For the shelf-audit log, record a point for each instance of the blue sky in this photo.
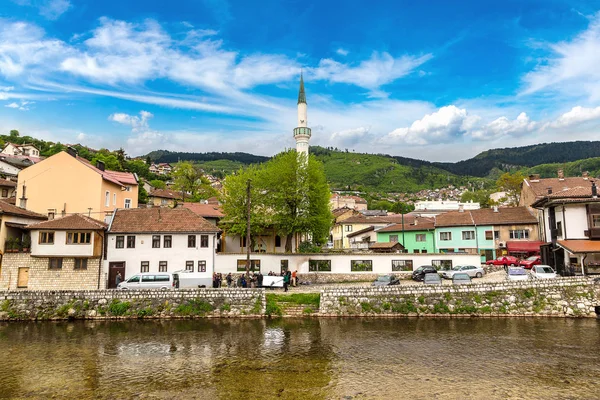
(434, 80)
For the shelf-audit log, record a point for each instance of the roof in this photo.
(342, 210)
(422, 224)
(116, 177)
(165, 194)
(6, 182)
(576, 194)
(357, 199)
(486, 216)
(524, 245)
(540, 186)
(155, 220)
(362, 219)
(9, 209)
(580, 246)
(365, 230)
(70, 222)
(385, 245)
(19, 161)
(205, 210)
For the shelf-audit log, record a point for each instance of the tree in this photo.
(137, 166)
(401, 207)
(478, 196)
(188, 179)
(148, 161)
(511, 184)
(14, 134)
(110, 160)
(142, 194)
(158, 184)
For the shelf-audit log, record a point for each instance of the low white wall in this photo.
(340, 263)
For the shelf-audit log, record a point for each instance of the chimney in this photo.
(585, 175)
(534, 177)
(594, 190)
(561, 174)
(461, 208)
(72, 151)
(100, 165)
(495, 208)
(549, 190)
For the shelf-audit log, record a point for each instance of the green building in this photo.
(417, 234)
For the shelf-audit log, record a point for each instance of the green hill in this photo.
(573, 168)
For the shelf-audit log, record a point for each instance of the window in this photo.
(120, 243)
(416, 251)
(155, 241)
(361, 265)
(201, 266)
(162, 266)
(114, 199)
(107, 198)
(242, 241)
(442, 265)
(79, 237)
(46, 238)
(284, 265)
(596, 221)
(348, 228)
(420, 237)
(519, 234)
(489, 235)
(254, 265)
(278, 238)
(127, 203)
(167, 241)
(189, 266)
(191, 241)
(445, 235)
(319, 265)
(204, 241)
(559, 228)
(423, 251)
(497, 235)
(4, 192)
(394, 238)
(128, 188)
(402, 265)
(55, 263)
(145, 266)
(131, 242)
(80, 263)
(468, 235)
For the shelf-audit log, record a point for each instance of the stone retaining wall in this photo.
(561, 297)
(101, 304)
(328, 277)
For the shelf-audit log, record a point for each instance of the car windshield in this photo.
(432, 278)
(461, 277)
(532, 258)
(456, 268)
(544, 270)
(384, 278)
(135, 278)
(516, 271)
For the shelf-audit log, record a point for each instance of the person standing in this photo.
(286, 281)
(118, 279)
(294, 277)
(259, 279)
(229, 279)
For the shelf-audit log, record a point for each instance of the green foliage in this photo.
(142, 194)
(308, 310)
(308, 247)
(511, 184)
(441, 308)
(111, 161)
(193, 307)
(188, 178)
(273, 308)
(479, 196)
(404, 307)
(313, 299)
(118, 307)
(145, 312)
(158, 184)
(529, 293)
(225, 307)
(137, 166)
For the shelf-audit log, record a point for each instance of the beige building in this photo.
(339, 201)
(8, 189)
(164, 198)
(68, 184)
(20, 150)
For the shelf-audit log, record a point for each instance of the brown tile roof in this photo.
(70, 222)
(342, 210)
(11, 200)
(205, 210)
(580, 246)
(540, 186)
(149, 220)
(365, 230)
(6, 182)
(486, 216)
(116, 177)
(385, 245)
(165, 194)
(9, 209)
(577, 191)
(362, 219)
(422, 224)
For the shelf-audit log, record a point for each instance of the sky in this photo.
(433, 80)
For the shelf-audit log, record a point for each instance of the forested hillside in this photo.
(165, 156)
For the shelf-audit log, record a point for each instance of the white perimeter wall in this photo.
(340, 263)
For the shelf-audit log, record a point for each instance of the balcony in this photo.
(593, 233)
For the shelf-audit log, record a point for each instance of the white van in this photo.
(191, 280)
(149, 280)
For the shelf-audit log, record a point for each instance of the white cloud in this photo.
(342, 52)
(350, 137)
(53, 9)
(23, 105)
(137, 123)
(12, 105)
(505, 127)
(577, 115)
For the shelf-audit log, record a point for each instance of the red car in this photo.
(529, 262)
(504, 260)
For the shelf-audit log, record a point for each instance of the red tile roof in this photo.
(116, 177)
(9, 209)
(486, 216)
(385, 245)
(422, 224)
(540, 186)
(165, 194)
(6, 182)
(149, 220)
(205, 210)
(365, 230)
(70, 222)
(580, 246)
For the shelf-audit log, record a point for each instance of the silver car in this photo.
(542, 272)
(432, 279)
(149, 280)
(471, 270)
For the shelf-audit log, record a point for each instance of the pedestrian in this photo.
(294, 275)
(229, 279)
(286, 281)
(118, 279)
(259, 279)
(214, 280)
(244, 283)
(239, 281)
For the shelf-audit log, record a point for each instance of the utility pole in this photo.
(248, 242)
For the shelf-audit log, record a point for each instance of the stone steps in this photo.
(296, 310)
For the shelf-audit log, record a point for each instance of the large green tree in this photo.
(511, 184)
(189, 179)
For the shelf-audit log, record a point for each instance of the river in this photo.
(302, 359)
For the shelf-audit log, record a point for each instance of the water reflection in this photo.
(302, 359)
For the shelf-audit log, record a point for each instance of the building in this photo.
(489, 232)
(159, 240)
(8, 189)
(302, 132)
(210, 212)
(354, 202)
(432, 208)
(66, 254)
(417, 234)
(10, 166)
(343, 232)
(68, 184)
(164, 198)
(161, 169)
(13, 149)
(13, 220)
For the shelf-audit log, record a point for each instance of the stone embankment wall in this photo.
(563, 297)
(101, 304)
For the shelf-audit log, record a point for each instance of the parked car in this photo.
(471, 270)
(149, 280)
(187, 279)
(432, 278)
(420, 272)
(386, 280)
(530, 262)
(517, 274)
(543, 272)
(504, 260)
(461, 279)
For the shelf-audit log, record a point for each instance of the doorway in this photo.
(113, 269)
(23, 277)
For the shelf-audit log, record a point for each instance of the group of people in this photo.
(253, 280)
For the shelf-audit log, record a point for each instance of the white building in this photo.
(20, 150)
(430, 207)
(159, 240)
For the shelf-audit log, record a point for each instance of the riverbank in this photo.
(562, 297)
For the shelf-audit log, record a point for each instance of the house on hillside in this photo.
(66, 254)
(354, 202)
(164, 198)
(8, 189)
(10, 165)
(68, 184)
(159, 240)
(430, 208)
(210, 212)
(341, 229)
(13, 149)
(13, 235)
(417, 234)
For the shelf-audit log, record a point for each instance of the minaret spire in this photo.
(301, 94)
(302, 132)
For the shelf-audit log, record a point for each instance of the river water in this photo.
(302, 359)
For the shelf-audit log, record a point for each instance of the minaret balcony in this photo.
(302, 131)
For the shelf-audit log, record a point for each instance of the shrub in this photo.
(118, 307)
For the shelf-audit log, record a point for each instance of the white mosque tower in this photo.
(302, 132)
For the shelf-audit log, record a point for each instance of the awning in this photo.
(580, 246)
(15, 225)
(523, 246)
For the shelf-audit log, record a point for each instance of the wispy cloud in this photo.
(23, 105)
(49, 9)
(342, 52)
